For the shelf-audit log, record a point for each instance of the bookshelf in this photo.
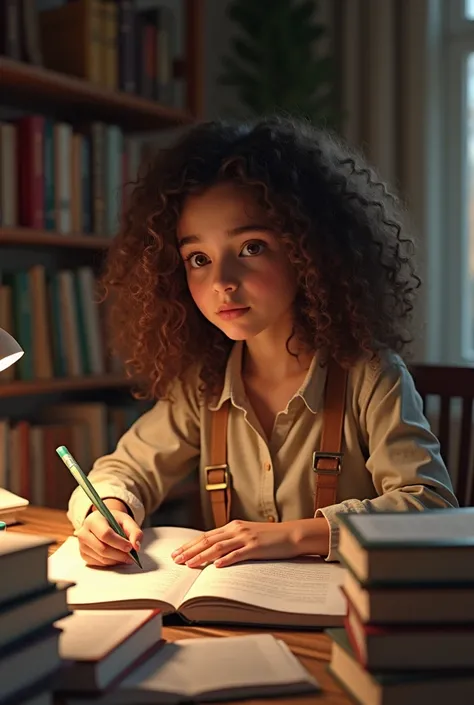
(30, 89)
(44, 238)
(19, 388)
(73, 98)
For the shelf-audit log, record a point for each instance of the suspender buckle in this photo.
(210, 486)
(320, 455)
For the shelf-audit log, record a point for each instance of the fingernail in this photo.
(175, 553)
(137, 545)
(179, 559)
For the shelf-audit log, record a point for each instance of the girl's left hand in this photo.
(239, 541)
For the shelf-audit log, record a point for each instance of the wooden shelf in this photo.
(47, 238)
(61, 384)
(35, 86)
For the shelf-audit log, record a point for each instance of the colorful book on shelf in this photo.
(72, 39)
(30, 163)
(9, 196)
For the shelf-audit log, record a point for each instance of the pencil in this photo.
(83, 481)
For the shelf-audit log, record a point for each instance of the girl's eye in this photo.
(196, 260)
(250, 249)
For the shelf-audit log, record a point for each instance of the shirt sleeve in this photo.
(160, 449)
(404, 456)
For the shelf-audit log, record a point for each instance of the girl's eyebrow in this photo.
(240, 230)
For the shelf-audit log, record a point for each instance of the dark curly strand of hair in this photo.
(340, 225)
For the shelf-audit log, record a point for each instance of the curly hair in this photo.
(341, 228)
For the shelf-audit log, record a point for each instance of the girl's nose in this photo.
(225, 279)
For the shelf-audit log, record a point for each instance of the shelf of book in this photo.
(131, 112)
(62, 384)
(46, 238)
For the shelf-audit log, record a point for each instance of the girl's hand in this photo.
(239, 541)
(99, 545)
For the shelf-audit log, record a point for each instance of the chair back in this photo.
(449, 383)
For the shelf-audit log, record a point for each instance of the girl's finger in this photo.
(93, 559)
(96, 546)
(241, 554)
(206, 539)
(220, 548)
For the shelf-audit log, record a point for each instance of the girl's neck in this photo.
(267, 359)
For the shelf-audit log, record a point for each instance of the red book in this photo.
(31, 168)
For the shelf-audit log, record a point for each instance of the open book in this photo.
(298, 592)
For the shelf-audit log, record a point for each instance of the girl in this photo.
(254, 260)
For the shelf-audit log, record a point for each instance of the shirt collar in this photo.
(233, 388)
(311, 391)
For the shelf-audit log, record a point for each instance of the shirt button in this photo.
(271, 518)
(267, 467)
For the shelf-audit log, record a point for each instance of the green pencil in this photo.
(90, 491)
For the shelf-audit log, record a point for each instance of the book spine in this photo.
(30, 160)
(76, 183)
(29, 32)
(126, 47)
(110, 43)
(23, 322)
(113, 178)
(97, 174)
(58, 337)
(49, 197)
(86, 185)
(62, 176)
(42, 357)
(9, 185)
(10, 44)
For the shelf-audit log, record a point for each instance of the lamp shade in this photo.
(10, 351)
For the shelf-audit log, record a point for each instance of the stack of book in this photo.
(29, 606)
(46, 648)
(409, 629)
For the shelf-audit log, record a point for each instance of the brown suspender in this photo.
(327, 461)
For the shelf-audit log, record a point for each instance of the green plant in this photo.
(274, 62)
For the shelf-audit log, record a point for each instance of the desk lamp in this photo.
(10, 351)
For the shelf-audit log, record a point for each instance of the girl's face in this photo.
(238, 273)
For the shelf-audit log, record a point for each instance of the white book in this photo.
(212, 669)
(299, 592)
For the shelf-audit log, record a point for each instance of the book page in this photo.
(302, 585)
(160, 580)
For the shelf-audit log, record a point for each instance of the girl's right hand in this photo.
(100, 545)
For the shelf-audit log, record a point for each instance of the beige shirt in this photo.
(391, 458)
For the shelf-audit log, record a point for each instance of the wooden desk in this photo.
(312, 648)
